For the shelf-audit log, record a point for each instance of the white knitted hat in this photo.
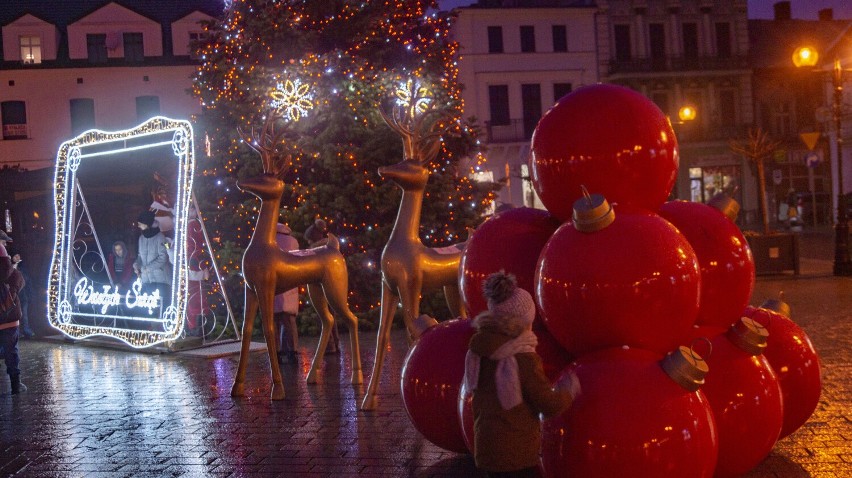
(506, 299)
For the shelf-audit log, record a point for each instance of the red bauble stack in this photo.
(633, 282)
(745, 396)
(630, 419)
(727, 266)
(431, 380)
(793, 358)
(512, 241)
(610, 139)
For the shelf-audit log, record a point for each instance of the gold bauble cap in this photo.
(749, 335)
(592, 212)
(726, 204)
(777, 305)
(685, 367)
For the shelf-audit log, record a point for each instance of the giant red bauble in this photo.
(431, 379)
(636, 282)
(745, 396)
(629, 419)
(796, 364)
(512, 241)
(727, 266)
(465, 410)
(610, 139)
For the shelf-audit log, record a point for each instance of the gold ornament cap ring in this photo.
(777, 305)
(726, 204)
(592, 212)
(749, 335)
(685, 367)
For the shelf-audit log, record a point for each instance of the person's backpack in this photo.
(8, 301)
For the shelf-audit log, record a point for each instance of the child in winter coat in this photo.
(508, 382)
(12, 283)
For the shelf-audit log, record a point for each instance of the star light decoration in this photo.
(414, 97)
(292, 99)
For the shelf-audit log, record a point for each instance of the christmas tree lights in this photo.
(355, 56)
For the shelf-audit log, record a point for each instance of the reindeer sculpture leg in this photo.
(238, 390)
(388, 309)
(337, 299)
(454, 302)
(409, 295)
(265, 301)
(318, 300)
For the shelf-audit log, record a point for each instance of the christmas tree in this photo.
(331, 65)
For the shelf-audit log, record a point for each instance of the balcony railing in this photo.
(642, 65)
(696, 132)
(513, 132)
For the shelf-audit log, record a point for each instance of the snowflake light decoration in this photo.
(292, 99)
(409, 92)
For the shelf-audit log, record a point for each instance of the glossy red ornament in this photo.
(554, 358)
(727, 266)
(796, 364)
(629, 419)
(511, 240)
(635, 282)
(610, 139)
(745, 396)
(431, 379)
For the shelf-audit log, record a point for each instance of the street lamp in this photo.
(686, 113)
(807, 56)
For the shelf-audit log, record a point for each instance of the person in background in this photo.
(286, 305)
(120, 266)
(152, 258)
(509, 387)
(317, 235)
(10, 315)
(24, 295)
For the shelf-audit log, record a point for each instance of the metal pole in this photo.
(842, 264)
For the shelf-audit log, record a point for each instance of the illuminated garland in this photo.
(65, 289)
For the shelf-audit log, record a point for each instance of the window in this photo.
(728, 107)
(560, 90)
(96, 47)
(147, 107)
(133, 49)
(560, 38)
(657, 39)
(196, 40)
(622, 42)
(30, 49)
(14, 116)
(527, 39)
(498, 100)
(661, 99)
(723, 40)
(531, 99)
(495, 39)
(690, 40)
(82, 115)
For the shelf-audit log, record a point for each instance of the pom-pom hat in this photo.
(506, 299)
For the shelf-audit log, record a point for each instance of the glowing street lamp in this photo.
(686, 113)
(808, 57)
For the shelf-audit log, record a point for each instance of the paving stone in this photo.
(100, 412)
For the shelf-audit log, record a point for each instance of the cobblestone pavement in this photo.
(100, 412)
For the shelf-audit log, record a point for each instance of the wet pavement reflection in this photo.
(102, 412)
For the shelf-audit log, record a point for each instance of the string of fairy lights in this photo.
(254, 54)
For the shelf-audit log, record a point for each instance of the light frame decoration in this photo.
(62, 281)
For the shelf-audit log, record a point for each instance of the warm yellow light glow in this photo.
(805, 56)
(686, 113)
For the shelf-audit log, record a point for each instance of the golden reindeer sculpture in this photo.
(269, 271)
(409, 267)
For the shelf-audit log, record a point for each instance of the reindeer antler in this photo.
(266, 144)
(419, 122)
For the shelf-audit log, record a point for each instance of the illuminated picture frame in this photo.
(83, 300)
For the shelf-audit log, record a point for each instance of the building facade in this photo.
(517, 61)
(82, 65)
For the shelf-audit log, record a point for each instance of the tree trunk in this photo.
(761, 195)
